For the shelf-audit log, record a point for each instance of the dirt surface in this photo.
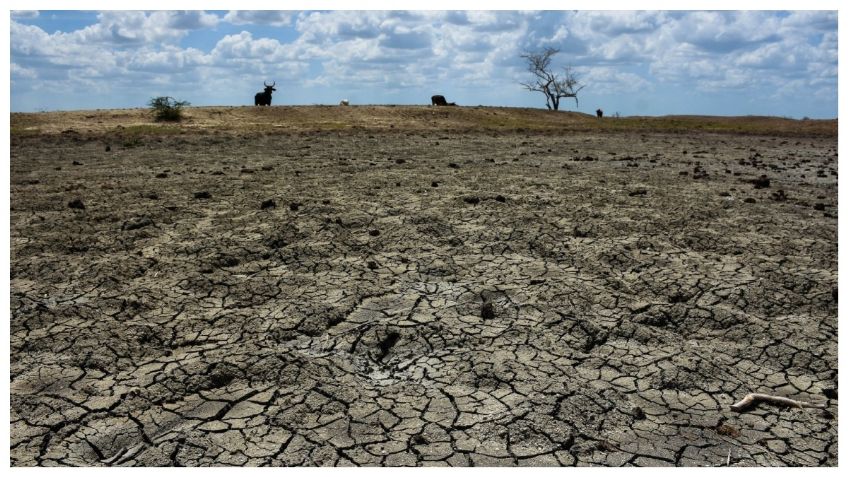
(415, 296)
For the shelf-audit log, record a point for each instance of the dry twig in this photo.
(755, 398)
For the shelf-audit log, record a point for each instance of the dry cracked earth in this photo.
(422, 298)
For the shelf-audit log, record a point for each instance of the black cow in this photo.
(439, 100)
(264, 98)
(600, 113)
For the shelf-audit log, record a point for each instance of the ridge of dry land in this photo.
(281, 119)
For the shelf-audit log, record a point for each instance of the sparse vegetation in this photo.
(166, 108)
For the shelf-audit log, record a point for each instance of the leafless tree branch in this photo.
(548, 83)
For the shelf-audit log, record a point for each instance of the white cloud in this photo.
(259, 17)
(611, 80)
(723, 32)
(244, 46)
(615, 52)
(19, 71)
(24, 14)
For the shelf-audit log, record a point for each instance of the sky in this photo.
(647, 62)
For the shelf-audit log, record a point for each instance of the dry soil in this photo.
(410, 294)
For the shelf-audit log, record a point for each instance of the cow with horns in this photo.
(264, 98)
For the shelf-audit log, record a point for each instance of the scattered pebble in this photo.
(268, 204)
(76, 204)
(137, 223)
(202, 195)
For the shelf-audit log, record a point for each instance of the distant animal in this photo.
(344, 102)
(600, 113)
(264, 98)
(439, 100)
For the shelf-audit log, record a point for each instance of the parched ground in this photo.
(415, 295)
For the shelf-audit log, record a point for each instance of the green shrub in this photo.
(166, 108)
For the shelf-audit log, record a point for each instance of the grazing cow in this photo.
(344, 102)
(264, 98)
(600, 112)
(439, 100)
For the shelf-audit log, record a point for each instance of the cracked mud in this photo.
(422, 298)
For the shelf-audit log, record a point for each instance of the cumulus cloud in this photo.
(258, 17)
(781, 53)
(19, 71)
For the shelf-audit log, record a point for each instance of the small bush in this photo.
(166, 108)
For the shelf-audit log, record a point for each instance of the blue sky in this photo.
(632, 62)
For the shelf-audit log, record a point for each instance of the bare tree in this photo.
(554, 87)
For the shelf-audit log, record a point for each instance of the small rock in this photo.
(580, 232)
(453, 165)
(751, 200)
(500, 198)
(137, 223)
(819, 206)
(108, 148)
(779, 196)
(727, 430)
(434, 184)
(76, 204)
(471, 200)
(77, 163)
(227, 261)
(372, 265)
(161, 175)
(294, 206)
(374, 233)
(400, 161)
(202, 195)
(638, 192)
